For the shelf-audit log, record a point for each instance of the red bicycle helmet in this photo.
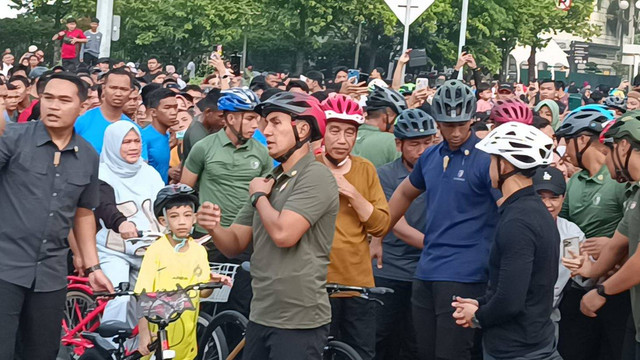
(339, 107)
(298, 106)
(511, 110)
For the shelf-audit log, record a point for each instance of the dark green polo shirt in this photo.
(630, 227)
(376, 146)
(225, 171)
(289, 283)
(594, 203)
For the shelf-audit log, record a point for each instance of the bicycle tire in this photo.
(337, 350)
(78, 300)
(224, 332)
(203, 321)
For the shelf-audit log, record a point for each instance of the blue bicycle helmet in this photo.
(414, 123)
(588, 118)
(238, 99)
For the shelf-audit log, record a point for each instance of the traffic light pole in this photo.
(104, 13)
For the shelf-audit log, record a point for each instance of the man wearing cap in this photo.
(104, 64)
(208, 122)
(70, 38)
(505, 91)
(90, 51)
(315, 81)
(549, 183)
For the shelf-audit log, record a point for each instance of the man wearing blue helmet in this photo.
(594, 202)
(222, 165)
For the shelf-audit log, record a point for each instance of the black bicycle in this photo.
(160, 308)
(224, 337)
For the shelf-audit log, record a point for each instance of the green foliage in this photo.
(298, 34)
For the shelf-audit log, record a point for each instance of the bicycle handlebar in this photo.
(198, 286)
(335, 288)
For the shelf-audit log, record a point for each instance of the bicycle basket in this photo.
(221, 295)
(164, 306)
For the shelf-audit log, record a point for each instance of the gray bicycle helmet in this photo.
(588, 118)
(453, 102)
(381, 98)
(414, 123)
(614, 102)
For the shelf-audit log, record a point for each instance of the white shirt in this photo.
(5, 69)
(567, 230)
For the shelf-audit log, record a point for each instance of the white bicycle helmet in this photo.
(524, 146)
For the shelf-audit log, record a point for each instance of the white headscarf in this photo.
(110, 155)
(135, 186)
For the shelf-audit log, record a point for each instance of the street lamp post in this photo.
(631, 20)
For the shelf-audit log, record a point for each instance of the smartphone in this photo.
(571, 244)
(219, 50)
(465, 49)
(575, 101)
(353, 76)
(214, 55)
(422, 83)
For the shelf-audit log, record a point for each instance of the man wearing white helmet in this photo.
(514, 314)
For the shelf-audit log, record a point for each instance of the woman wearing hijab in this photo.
(549, 110)
(128, 188)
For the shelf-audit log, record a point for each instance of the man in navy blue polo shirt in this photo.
(460, 221)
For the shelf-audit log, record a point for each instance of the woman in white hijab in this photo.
(128, 188)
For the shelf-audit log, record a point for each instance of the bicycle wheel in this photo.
(78, 304)
(224, 333)
(337, 350)
(203, 321)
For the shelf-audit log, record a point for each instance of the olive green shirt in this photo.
(595, 204)
(225, 171)
(289, 283)
(376, 146)
(630, 227)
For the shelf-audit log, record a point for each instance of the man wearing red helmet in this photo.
(363, 210)
(290, 221)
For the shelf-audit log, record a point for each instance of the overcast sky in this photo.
(5, 11)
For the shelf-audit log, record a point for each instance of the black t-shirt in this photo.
(523, 268)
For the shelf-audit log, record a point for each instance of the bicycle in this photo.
(334, 350)
(160, 308)
(83, 311)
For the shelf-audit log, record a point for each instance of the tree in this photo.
(548, 20)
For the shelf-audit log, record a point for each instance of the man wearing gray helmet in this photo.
(461, 215)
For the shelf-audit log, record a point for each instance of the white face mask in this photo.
(561, 150)
(180, 134)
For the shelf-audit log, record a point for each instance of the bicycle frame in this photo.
(73, 337)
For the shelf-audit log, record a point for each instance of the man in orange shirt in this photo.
(363, 210)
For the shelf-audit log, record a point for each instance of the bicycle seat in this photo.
(115, 328)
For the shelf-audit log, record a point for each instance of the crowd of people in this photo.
(504, 217)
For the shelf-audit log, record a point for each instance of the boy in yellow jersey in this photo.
(175, 259)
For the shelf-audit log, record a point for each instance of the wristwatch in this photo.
(89, 270)
(254, 198)
(600, 290)
(475, 323)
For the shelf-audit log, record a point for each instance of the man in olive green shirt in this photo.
(594, 202)
(625, 141)
(375, 141)
(222, 165)
(290, 221)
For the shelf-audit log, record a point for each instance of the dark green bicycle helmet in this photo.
(414, 123)
(627, 126)
(381, 98)
(453, 102)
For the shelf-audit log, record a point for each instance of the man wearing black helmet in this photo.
(375, 141)
(396, 257)
(594, 202)
(461, 216)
